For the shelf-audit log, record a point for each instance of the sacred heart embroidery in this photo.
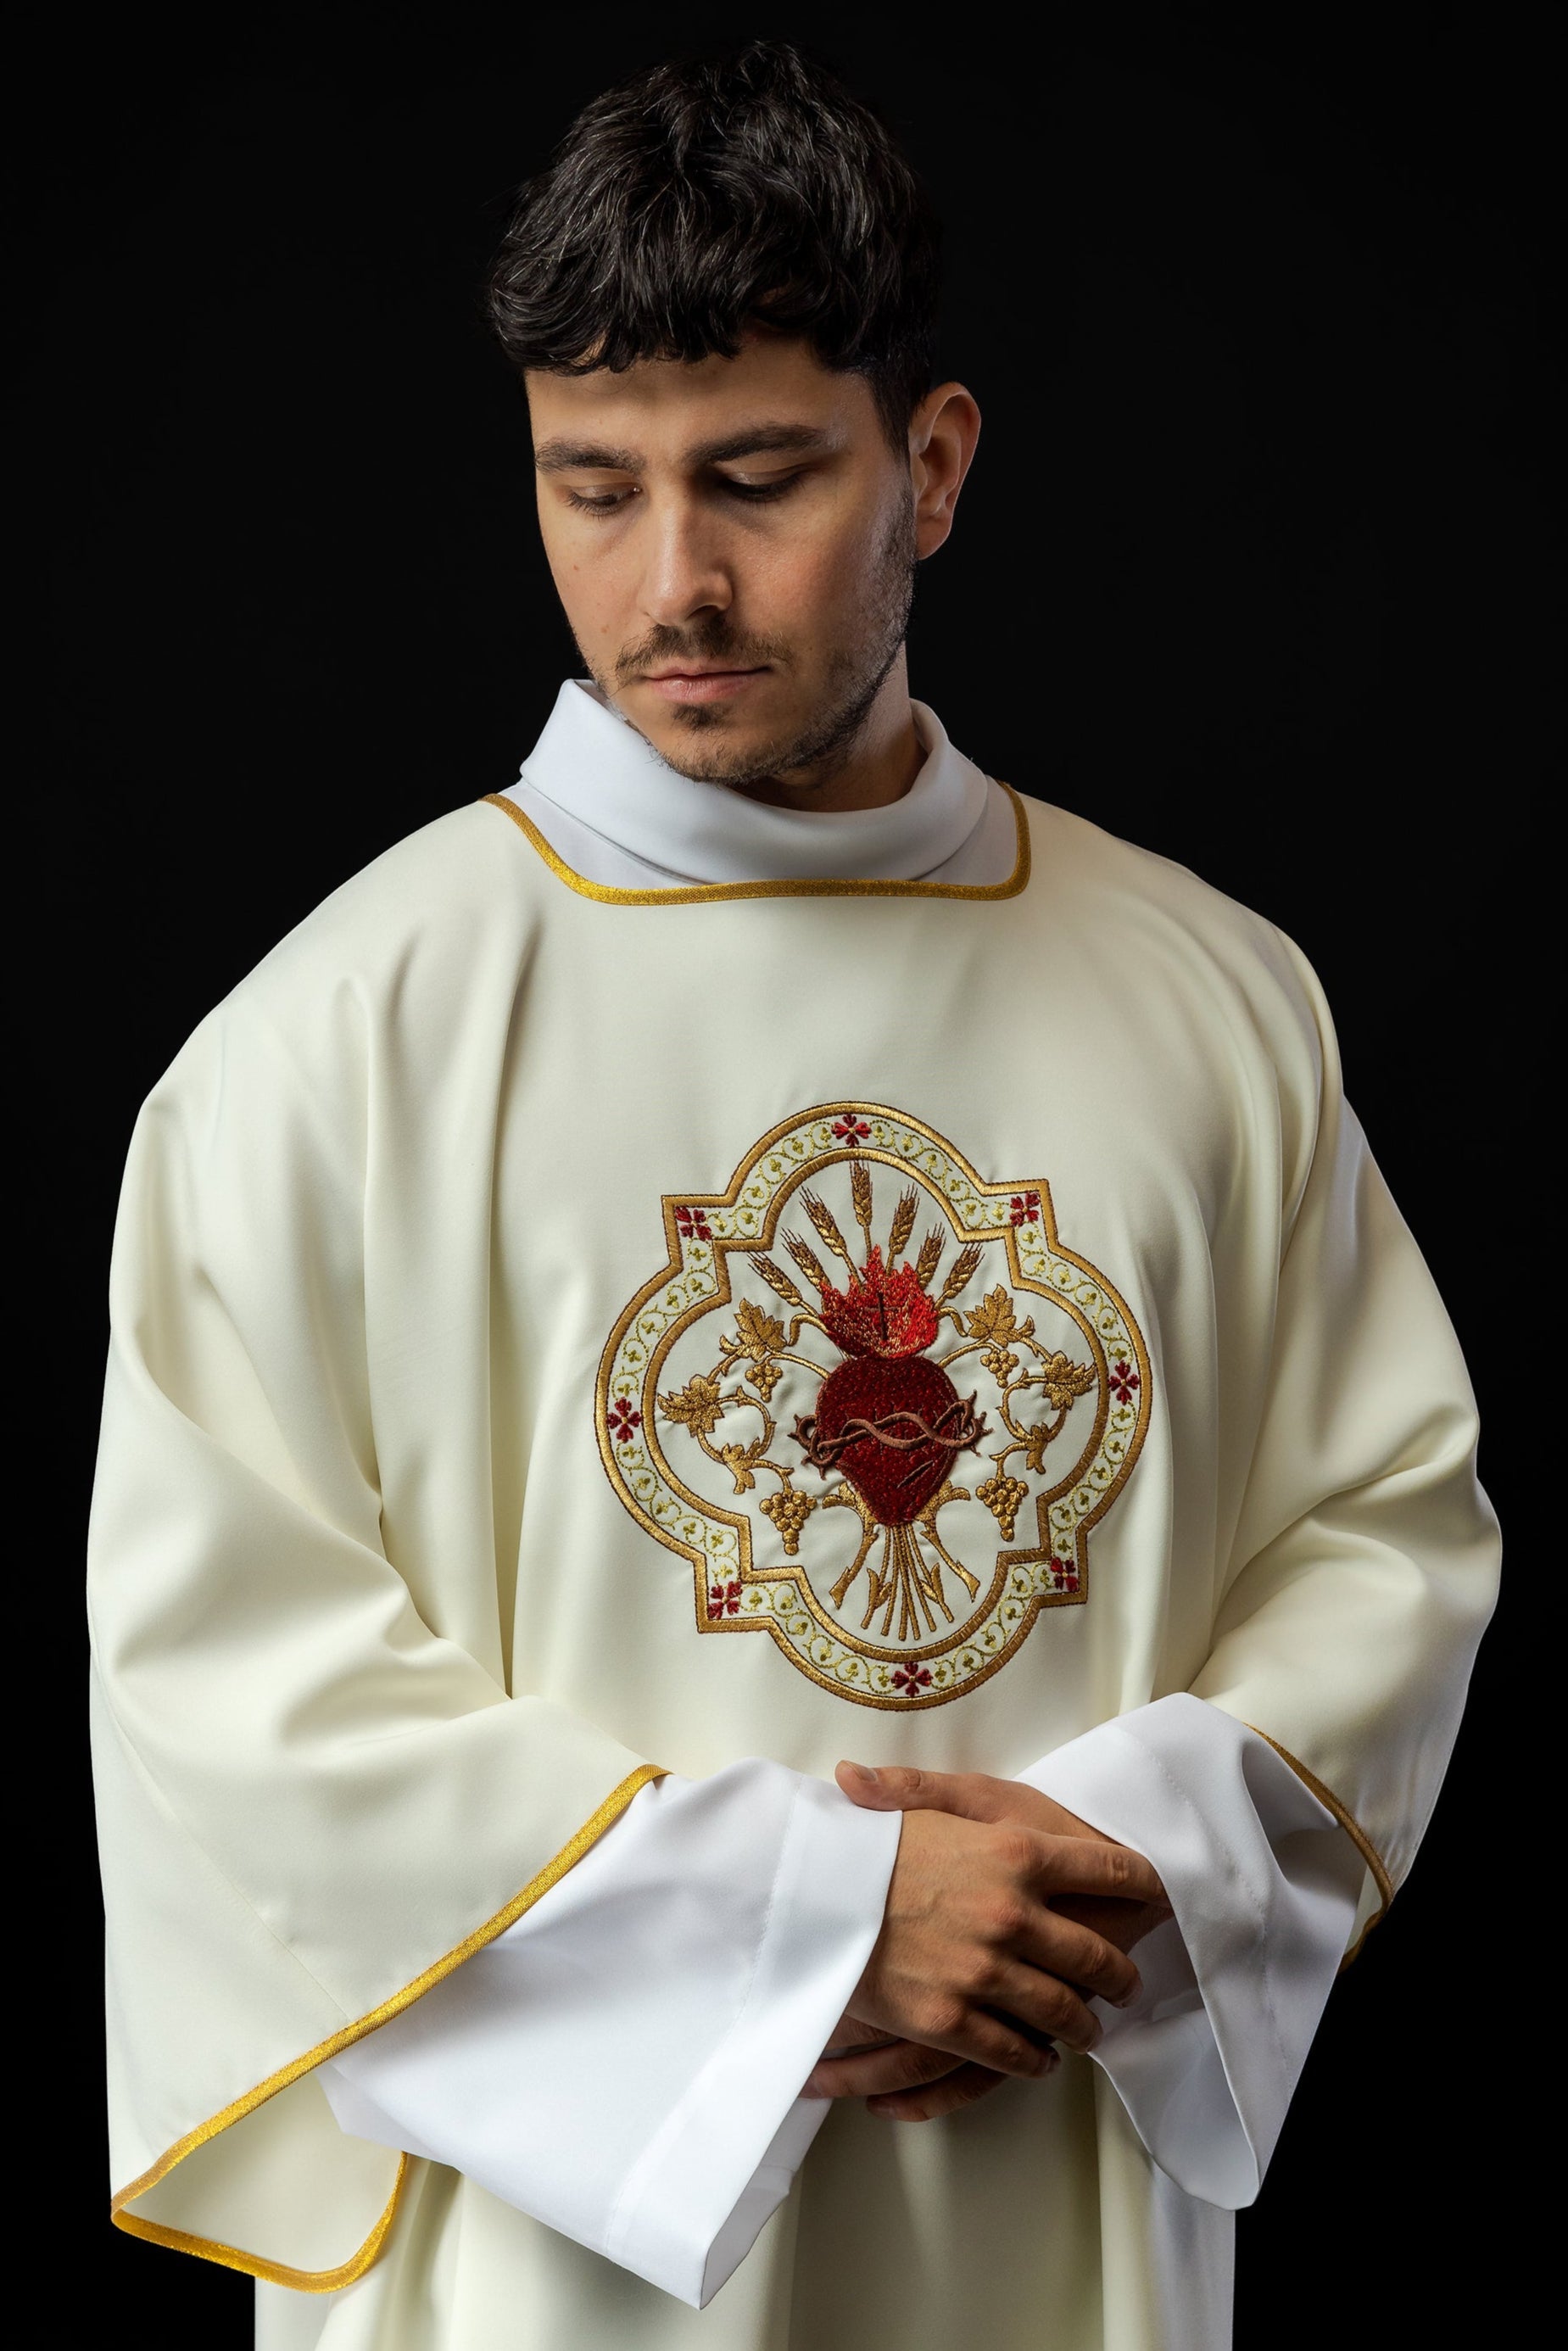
(859, 1323)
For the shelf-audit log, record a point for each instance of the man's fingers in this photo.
(900, 1788)
(1122, 1923)
(1049, 2008)
(1079, 1862)
(1084, 1866)
(1002, 2043)
(852, 2034)
(941, 2097)
(871, 2072)
(972, 2033)
(1063, 1947)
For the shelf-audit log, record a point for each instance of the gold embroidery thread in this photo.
(778, 1378)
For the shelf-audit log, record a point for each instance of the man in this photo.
(748, 1246)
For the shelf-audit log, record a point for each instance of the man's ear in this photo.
(943, 432)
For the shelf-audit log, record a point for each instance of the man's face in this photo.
(733, 542)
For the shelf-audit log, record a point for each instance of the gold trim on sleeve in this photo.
(1353, 1831)
(328, 2280)
(229, 2257)
(698, 893)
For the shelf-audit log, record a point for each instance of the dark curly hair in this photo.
(696, 201)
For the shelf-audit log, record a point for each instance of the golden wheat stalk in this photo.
(859, 1196)
(930, 1257)
(807, 1259)
(968, 1258)
(903, 1224)
(822, 1217)
(777, 1280)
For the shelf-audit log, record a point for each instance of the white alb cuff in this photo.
(624, 2063)
(1263, 1883)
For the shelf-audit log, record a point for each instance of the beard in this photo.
(819, 745)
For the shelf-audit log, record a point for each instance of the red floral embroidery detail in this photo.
(850, 1130)
(724, 1599)
(1066, 1573)
(1025, 1209)
(910, 1678)
(1124, 1380)
(623, 1422)
(883, 1311)
(692, 1225)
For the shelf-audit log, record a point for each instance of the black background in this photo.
(1252, 569)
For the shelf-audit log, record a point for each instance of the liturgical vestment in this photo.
(642, 1295)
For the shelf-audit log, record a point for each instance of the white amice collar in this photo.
(604, 798)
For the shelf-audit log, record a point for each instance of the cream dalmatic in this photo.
(566, 1331)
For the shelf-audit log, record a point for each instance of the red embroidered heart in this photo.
(897, 1397)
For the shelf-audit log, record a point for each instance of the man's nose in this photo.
(685, 578)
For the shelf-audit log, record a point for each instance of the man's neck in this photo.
(876, 768)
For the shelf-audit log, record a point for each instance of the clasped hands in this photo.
(1005, 1915)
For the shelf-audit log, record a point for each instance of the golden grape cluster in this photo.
(1003, 1496)
(789, 1513)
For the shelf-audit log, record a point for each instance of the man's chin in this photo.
(709, 747)
(738, 745)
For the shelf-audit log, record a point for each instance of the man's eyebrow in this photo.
(748, 441)
(756, 441)
(591, 456)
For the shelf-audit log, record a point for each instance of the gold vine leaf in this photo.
(757, 1341)
(698, 1406)
(759, 1333)
(740, 1460)
(1036, 1439)
(1064, 1381)
(995, 1319)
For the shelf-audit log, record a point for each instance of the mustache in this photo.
(710, 640)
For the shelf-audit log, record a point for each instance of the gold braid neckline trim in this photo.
(328, 2281)
(1353, 1831)
(698, 893)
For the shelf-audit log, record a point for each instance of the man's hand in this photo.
(989, 1943)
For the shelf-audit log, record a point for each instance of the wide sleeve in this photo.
(1358, 1576)
(624, 2063)
(1263, 1886)
(1362, 1567)
(316, 1800)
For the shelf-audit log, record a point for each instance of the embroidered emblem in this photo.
(776, 1380)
